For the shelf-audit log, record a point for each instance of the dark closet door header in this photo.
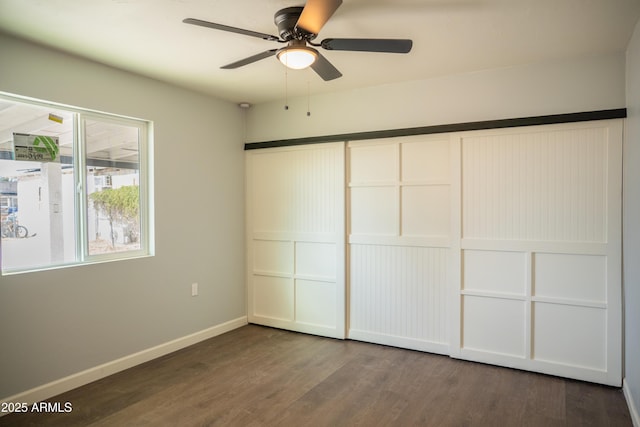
(619, 113)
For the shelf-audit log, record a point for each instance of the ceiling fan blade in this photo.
(250, 59)
(242, 31)
(369, 45)
(325, 69)
(315, 14)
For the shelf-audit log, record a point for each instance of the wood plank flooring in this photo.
(258, 376)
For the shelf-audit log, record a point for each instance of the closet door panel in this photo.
(541, 231)
(544, 185)
(273, 257)
(494, 325)
(313, 300)
(316, 260)
(571, 277)
(373, 163)
(401, 238)
(423, 162)
(273, 297)
(426, 211)
(296, 238)
(498, 272)
(570, 335)
(398, 296)
(374, 211)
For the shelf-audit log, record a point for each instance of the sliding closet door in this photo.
(540, 281)
(296, 238)
(402, 232)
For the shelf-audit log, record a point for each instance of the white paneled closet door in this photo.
(402, 238)
(540, 284)
(296, 238)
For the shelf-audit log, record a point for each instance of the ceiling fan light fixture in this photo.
(297, 57)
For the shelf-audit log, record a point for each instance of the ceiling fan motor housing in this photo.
(286, 20)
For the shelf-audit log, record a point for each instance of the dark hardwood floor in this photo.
(257, 376)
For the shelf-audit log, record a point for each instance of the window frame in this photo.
(81, 202)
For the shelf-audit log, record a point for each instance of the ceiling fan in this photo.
(298, 27)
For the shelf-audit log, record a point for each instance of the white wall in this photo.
(632, 226)
(57, 323)
(585, 84)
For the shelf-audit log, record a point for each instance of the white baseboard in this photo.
(62, 385)
(633, 410)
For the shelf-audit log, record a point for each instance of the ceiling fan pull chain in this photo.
(286, 89)
(308, 98)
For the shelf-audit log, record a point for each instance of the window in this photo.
(74, 186)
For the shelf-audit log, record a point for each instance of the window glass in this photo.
(112, 187)
(36, 197)
(73, 186)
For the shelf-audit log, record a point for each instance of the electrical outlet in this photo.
(194, 289)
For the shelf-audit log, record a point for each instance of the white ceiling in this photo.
(450, 36)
